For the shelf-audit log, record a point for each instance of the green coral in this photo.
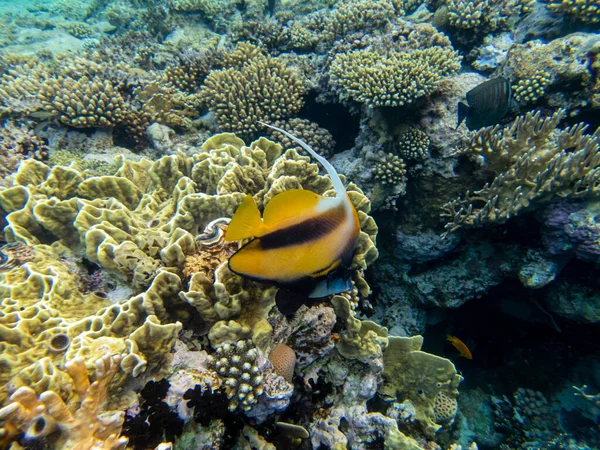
(534, 161)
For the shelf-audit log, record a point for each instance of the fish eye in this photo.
(420, 391)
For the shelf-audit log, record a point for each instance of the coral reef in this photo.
(18, 143)
(533, 161)
(564, 61)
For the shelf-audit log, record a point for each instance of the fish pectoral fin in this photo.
(246, 222)
(325, 271)
(288, 204)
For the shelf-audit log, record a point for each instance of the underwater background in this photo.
(466, 136)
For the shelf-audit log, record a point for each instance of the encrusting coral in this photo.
(533, 161)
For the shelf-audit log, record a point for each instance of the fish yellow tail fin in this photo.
(246, 222)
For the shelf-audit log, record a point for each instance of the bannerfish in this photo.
(487, 105)
(304, 242)
(459, 345)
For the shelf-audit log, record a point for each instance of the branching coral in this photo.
(243, 380)
(584, 10)
(17, 143)
(533, 161)
(467, 13)
(493, 14)
(19, 85)
(84, 102)
(392, 79)
(357, 15)
(530, 90)
(414, 144)
(318, 138)
(391, 170)
(262, 88)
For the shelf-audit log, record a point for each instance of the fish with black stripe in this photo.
(304, 242)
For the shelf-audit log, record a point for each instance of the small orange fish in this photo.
(460, 346)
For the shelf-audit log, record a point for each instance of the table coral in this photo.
(533, 161)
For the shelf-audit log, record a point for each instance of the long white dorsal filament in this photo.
(335, 178)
